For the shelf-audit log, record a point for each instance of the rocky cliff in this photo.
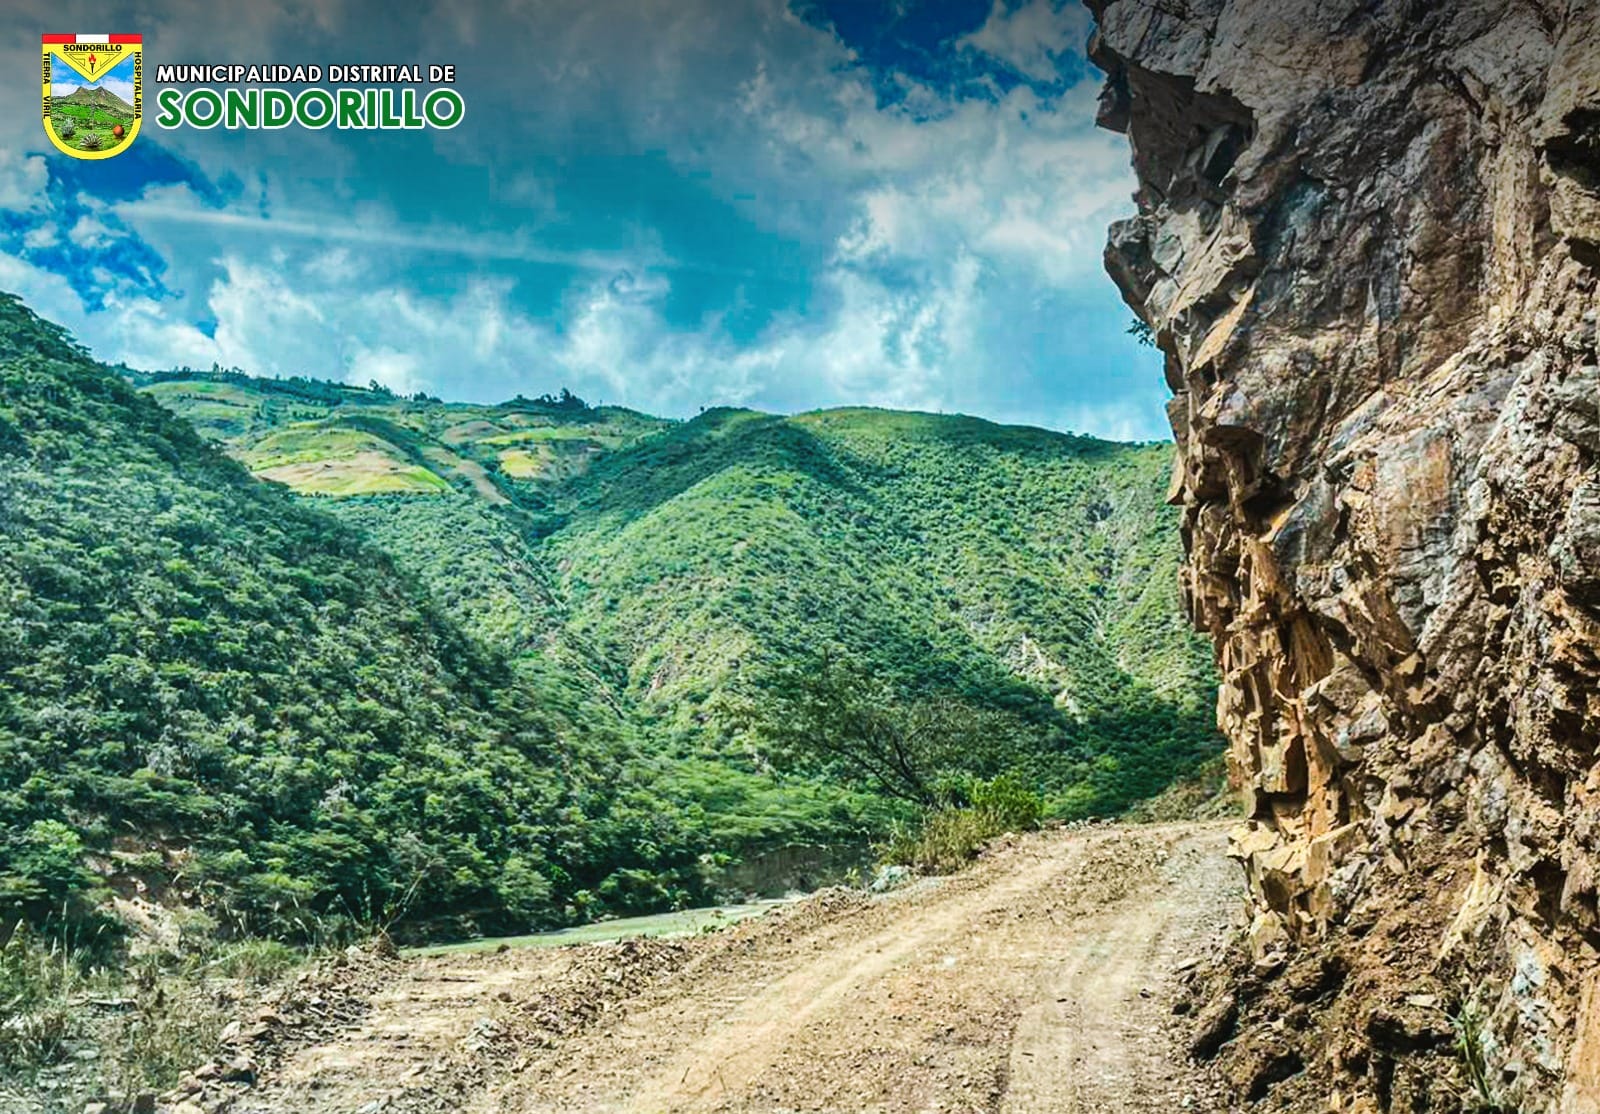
(1367, 241)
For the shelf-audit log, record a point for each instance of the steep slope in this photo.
(1369, 242)
(671, 564)
(1014, 568)
(216, 691)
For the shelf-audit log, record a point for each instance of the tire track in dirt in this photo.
(1013, 987)
(1100, 1038)
(746, 1041)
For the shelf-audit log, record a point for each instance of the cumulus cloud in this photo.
(711, 202)
(23, 179)
(1017, 179)
(1031, 37)
(401, 372)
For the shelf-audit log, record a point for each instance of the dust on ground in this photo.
(1043, 979)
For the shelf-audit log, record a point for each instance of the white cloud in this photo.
(89, 232)
(337, 265)
(136, 330)
(1018, 181)
(311, 226)
(941, 251)
(1030, 38)
(401, 372)
(120, 87)
(1117, 420)
(23, 179)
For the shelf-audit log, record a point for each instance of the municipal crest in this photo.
(93, 93)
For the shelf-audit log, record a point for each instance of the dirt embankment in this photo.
(1044, 979)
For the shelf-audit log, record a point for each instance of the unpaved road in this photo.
(1040, 981)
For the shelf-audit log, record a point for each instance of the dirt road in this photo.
(1041, 980)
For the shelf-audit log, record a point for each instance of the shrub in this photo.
(43, 881)
(90, 142)
(36, 981)
(1010, 804)
(951, 837)
(67, 129)
(153, 1044)
(948, 840)
(255, 960)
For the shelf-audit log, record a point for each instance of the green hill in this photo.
(97, 97)
(466, 668)
(669, 564)
(213, 691)
(1018, 570)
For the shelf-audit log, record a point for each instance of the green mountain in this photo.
(669, 564)
(214, 691)
(97, 97)
(468, 668)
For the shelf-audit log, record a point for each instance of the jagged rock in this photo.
(1214, 1027)
(1368, 243)
(1578, 545)
(1306, 982)
(1407, 1028)
(1253, 1074)
(240, 1069)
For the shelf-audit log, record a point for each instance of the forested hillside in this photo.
(1028, 573)
(671, 565)
(210, 688)
(474, 667)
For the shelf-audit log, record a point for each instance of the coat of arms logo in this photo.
(93, 93)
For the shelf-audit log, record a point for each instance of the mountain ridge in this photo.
(459, 668)
(98, 97)
(671, 548)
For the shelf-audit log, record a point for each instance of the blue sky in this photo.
(782, 204)
(118, 79)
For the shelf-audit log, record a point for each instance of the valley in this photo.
(301, 660)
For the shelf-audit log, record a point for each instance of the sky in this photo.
(118, 80)
(663, 204)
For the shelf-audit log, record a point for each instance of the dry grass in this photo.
(84, 1028)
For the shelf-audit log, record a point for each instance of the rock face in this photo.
(1368, 243)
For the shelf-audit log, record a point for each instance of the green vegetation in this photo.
(87, 124)
(88, 114)
(1026, 577)
(141, 1022)
(837, 718)
(483, 669)
(1011, 590)
(231, 699)
(951, 835)
(1471, 1027)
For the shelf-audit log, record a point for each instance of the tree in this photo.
(833, 713)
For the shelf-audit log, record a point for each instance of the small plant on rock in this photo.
(1470, 1025)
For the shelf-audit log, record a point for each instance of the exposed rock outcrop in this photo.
(1368, 243)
